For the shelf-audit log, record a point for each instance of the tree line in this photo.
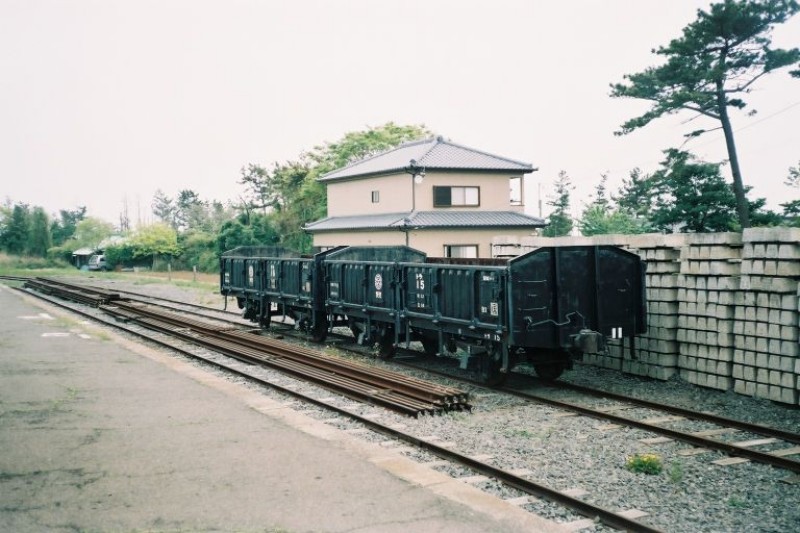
(708, 71)
(275, 204)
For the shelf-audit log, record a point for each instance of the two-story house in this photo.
(439, 197)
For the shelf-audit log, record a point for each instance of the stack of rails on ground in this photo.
(722, 309)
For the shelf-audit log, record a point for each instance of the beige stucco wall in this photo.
(354, 197)
(432, 242)
(348, 198)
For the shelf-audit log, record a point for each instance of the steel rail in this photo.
(422, 390)
(589, 510)
(750, 427)
(695, 440)
(411, 397)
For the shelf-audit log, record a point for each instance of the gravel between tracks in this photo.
(570, 452)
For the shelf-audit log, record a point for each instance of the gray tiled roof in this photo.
(428, 219)
(431, 154)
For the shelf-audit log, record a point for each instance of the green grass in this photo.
(14, 265)
(645, 463)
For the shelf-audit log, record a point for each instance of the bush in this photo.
(645, 463)
(24, 262)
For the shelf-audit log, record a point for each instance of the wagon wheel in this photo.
(549, 371)
(430, 345)
(490, 365)
(319, 331)
(548, 364)
(386, 347)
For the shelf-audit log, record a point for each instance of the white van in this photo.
(98, 262)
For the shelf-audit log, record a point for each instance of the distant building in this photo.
(80, 257)
(439, 197)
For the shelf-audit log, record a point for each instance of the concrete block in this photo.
(661, 372)
(789, 333)
(721, 238)
(762, 390)
(771, 235)
(687, 362)
(788, 269)
(789, 349)
(744, 387)
(789, 251)
(783, 395)
(770, 285)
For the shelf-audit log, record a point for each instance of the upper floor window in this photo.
(456, 196)
(515, 184)
(376, 197)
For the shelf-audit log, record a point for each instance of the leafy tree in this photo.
(710, 67)
(258, 187)
(40, 238)
(164, 208)
(15, 233)
(560, 222)
(691, 196)
(635, 196)
(791, 209)
(63, 228)
(290, 194)
(603, 217)
(91, 231)
(358, 145)
(191, 212)
(155, 239)
(234, 233)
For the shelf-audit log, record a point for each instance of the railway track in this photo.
(613, 519)
(739, 451)
(388, 389)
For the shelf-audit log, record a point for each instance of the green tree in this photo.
(91, 231)
(691, 196)
(40, 239)
(791, 209)
(560, 222)
(290, 194)
(164, 208)
(191, 211)
(602, 216)
(710, 67)
(15, 233)
(63, 228)
(635, 196)
(234, 233)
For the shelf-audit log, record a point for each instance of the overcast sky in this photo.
(105, 101)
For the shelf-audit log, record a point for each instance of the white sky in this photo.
(103, 101)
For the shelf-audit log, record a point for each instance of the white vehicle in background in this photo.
(98, 262)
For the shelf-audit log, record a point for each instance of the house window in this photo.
(456, 196)
(461, 251)
(376, 197)
(516, 190)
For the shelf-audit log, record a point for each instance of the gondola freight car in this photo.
(545, 307)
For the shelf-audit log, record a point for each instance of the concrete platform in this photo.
(102, 434)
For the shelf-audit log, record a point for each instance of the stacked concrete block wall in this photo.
(656, 351)
(722, 309)
(709, 281)
(766, 359)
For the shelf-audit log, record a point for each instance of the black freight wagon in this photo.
(544, 307)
